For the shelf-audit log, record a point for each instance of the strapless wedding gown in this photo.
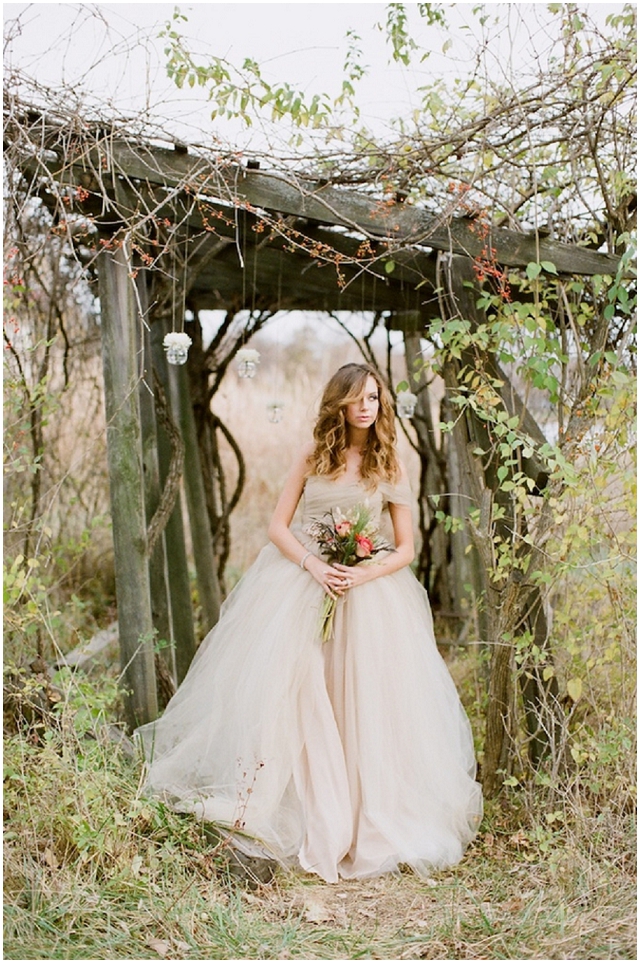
(349, 757)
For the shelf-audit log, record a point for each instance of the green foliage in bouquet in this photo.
(346, 539)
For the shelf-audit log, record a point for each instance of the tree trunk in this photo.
(516, 605)
(119, 320)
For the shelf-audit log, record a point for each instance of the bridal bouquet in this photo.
(347, 539)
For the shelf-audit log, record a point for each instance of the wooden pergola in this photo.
(170, 227)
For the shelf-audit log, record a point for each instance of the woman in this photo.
(351, 756)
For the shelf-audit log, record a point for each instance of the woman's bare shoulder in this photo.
(403, 474)
(308, 449)
(302, 460)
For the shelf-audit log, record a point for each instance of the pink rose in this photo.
(364, 546)
(343, 528)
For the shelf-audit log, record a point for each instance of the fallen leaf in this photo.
(316, 912)
(161, 947)
(49, 857)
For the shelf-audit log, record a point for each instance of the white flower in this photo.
(176, 339)
(248, 354)
(406, 399)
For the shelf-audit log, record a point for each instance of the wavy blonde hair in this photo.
(379, 459)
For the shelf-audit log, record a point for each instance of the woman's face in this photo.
(363, 413)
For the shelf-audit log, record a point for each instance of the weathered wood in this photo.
(90, 652)
(160, 603)
(330, 205)
(433, 558)
(206, 569)
(463, 557)
(124, 447)
(183, 632)
(284, 280)
(302, 197)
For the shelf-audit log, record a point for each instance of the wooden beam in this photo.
(208, 229)
(360, 212)
(277, 279)
(124, 448)
(237, 187)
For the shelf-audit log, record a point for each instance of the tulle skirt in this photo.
(349, 757)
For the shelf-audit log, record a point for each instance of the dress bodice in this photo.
(322, 495)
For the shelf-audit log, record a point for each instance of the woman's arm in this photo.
(333, 582)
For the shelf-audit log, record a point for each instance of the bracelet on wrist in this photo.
(304, 559)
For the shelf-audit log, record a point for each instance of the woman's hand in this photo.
(333, 581)
(354, 575)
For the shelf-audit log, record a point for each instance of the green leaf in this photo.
(574, 688)
(402, 386)
(533, 270)
(548, 266)
(390, 267)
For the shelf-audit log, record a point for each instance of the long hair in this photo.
(379, 458)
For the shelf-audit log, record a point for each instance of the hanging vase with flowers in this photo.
(247, 360)
(406, 404)
(177, 344)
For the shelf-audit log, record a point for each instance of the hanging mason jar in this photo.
(275, 411)
(247, 360)
(176, 344)
(406, 404)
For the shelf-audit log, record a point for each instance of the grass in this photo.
(93, 870)
(495, 906)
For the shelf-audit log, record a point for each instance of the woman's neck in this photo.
(357, 439)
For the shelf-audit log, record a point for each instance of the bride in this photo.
(346, 757)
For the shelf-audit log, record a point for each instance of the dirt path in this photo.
(496, 905)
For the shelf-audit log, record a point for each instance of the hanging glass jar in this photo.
(176, 344)
(406, 404)
(275, 411)
(247, 360)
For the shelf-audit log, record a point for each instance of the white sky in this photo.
(112, 51)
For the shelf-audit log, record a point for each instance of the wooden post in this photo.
(124, 447)
(205, 562)
(177, 565)
(160, 603)
(433, 560)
